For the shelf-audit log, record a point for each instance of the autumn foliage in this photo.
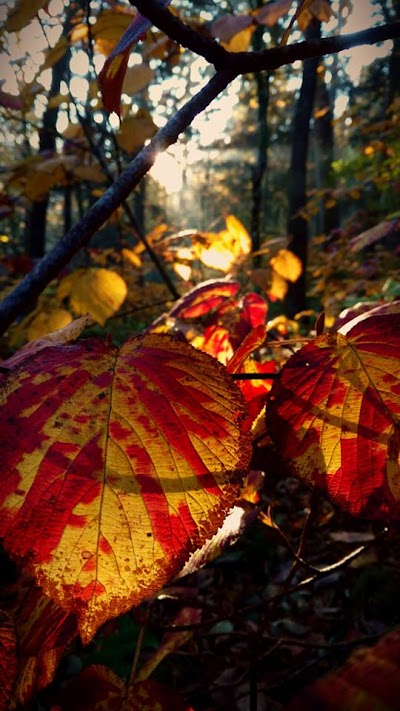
(128, 465)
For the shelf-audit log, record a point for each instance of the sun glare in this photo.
(168, 173)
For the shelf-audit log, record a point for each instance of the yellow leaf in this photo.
(132, 257)
(278, 288)
(240, 42)
(57, 100)
(93, 173)
(47, 321)
(286, 264)
(109, 28)
(183, 270)
(239, 233)
(137, 78)
(54, 54)
(79, 32)
(99, 292)
(135, 130)
(23, 12)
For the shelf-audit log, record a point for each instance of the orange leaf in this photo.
(8, 659)
(334, 414)
(129, 459)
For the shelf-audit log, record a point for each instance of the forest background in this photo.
(279, 202)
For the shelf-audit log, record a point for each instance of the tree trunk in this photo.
(324, 154)
(297, 225)
(259, 171)
(37, 218)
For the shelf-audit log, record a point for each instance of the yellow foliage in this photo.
(99, 292)
(286, 264)
(137, 78)
(23, 12)
(47, 321)
(132, 257)
(278, 288)
(54, 54)
(223, 249)
(135, 130)
(240, 42)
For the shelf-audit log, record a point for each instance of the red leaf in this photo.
(206, 297)
(334, 415)
(118, 463)
(111, 77)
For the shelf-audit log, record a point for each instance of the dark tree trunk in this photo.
(260, 169)
(297, 225)
(324, 154)
(37, 218)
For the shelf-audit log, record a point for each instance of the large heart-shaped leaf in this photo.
(334, 414)
(116, 463)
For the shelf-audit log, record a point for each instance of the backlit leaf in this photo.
(47, 321)
(286, 264)
(8, 659)
(135, 130)
(112, 75)
(227, 26)
(137, 78)
(241, 41)
(334, 414)
(133, 459)
(54, 54)
(99, 292)
(205, 297)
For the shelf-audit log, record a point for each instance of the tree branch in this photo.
(269, 59)
(25, 294)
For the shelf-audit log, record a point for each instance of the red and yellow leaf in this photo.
(205, 297)
(117, 463)
(8, 659)
(335, 415)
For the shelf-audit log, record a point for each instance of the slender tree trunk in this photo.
(37, 218)
(297, 225)
(260, 169)
(324, 153)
